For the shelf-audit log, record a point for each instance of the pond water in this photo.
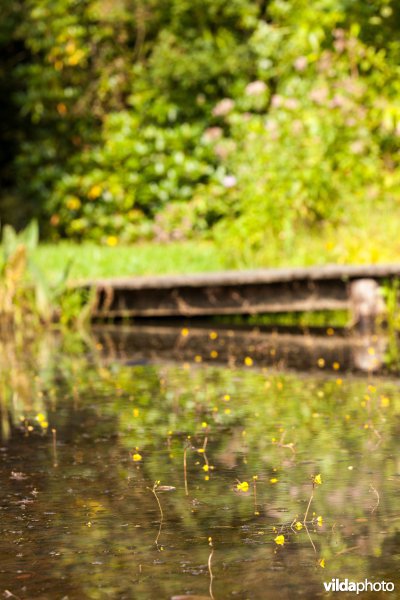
(97, 503)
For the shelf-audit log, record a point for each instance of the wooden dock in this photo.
(235, 292)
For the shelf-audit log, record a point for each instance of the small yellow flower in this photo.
(198, 358)
(273, 480)
(280, 540)
(336, 366)
(213, 354)
(298, 525)
(206, 478)
(255, 477)
(317, 479)
(385, 401)
(137, 457)
(204, 425)
(248, 361)
(95, 192)
(73, 203)
(213, 335)
(184, 332)
(206, 468)
(321, 362)
(227, 397)
(200, 450)
(319, 521)
(112, 241)
(227, 411)
(242, 486)
(40, 417)
(321, 563)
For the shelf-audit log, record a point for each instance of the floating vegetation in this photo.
(278, 474)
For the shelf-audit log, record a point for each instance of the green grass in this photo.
(93, 261)
(376, 241)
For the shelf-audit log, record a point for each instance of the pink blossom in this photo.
(319, 95)
(300, 63)
(229, 181)
(223, 107)
(255, 88)
(212, 134)
(277, 101)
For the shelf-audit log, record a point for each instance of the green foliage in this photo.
(27, 298)
(243, 120)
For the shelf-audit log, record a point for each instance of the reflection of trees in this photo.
(92, 524)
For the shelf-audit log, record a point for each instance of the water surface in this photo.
(88, 431)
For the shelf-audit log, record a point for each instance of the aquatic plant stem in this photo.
(153, 490)
(210, 570)
(54, 435)
(185, 471)
(308, 506)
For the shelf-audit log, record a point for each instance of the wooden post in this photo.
(366, 304)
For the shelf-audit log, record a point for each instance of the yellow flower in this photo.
(112, 240)
(336, 366)
(184, 332)
(248, 361)
(95, 192)
(298, 525)
(280, 540)
(135, 412)
(73, 203)
(213, 354)
(385, 401)
(321, 563)
(317, 480)
(319, 521)
(204, 425)
(321, 362)
(136, 457)
(227, 397)
(213, 335)
(205, 468)
(40, 417)
(273, 480)
(242, 486)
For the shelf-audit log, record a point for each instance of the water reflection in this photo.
(79, 515)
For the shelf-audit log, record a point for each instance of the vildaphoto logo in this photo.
(344, 585)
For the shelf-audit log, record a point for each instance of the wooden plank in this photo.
(233, 292)
(229, 278)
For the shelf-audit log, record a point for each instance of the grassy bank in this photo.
(375, 243)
